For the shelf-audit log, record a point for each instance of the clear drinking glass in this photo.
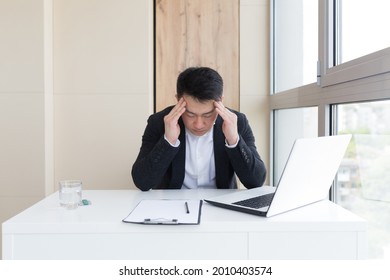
(70, 193)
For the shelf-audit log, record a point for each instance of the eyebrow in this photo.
(210, 112)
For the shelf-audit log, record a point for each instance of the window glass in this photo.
(363, 28)
(363, 181)
(295, 43)
(291, 124)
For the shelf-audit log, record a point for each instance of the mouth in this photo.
(198, 131)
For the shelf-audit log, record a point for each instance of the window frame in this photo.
(331, 74)
(364, 79)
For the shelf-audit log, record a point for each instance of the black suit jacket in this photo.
(161, 166)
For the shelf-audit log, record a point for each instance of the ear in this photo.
(222, 97)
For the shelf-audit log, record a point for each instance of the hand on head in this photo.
(229, 126)
(172, 128)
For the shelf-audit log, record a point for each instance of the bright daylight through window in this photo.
(363, 28)
(363, 182)
(349, 39)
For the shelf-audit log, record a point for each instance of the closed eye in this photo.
(190, 115)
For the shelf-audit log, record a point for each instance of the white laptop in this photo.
(306, 178)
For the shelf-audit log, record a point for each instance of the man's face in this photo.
(199, 117)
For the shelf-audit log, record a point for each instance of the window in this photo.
(353, 40)
(352, 96)
(363, 28)
(363, 181)
(295, 47)
(291, 124)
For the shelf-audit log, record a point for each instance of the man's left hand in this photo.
(229, 126)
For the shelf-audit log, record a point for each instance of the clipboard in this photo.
(166, 212)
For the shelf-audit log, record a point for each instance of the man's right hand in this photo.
(172, 128)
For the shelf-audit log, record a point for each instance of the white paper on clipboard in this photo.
(166, 211)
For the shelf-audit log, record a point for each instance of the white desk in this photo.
(322, 230)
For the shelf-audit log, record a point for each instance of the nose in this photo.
(198, 122)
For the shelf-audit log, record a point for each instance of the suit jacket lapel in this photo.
(178, 164)
(220, 157)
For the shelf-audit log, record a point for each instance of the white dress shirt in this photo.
(199, 163)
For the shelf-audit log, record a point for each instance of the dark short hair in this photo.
(201, 83)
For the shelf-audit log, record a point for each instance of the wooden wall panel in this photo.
(196, 33)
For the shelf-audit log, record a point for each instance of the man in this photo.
(198, 143)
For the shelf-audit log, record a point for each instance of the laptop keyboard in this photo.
(257, 201)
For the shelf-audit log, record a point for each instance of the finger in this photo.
(222, 110)
(219, 104)
(177, 110)
(179, 105)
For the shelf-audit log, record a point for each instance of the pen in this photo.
(187, 209)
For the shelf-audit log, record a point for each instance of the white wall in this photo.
(76, 88)
(76, 82)
(254, 71)
(21, 105)
(103, 87)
